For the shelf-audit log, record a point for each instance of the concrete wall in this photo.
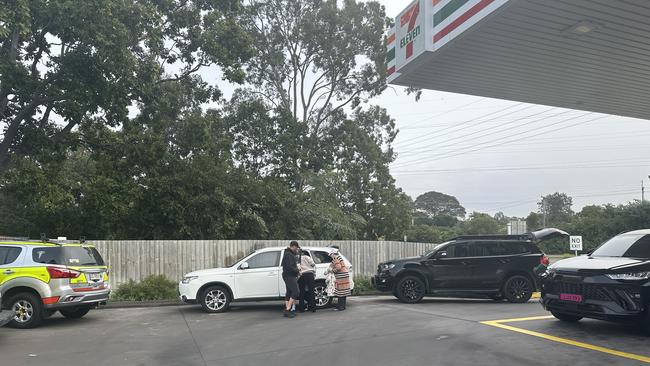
(137, 259)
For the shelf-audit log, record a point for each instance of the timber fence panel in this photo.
(137, 259)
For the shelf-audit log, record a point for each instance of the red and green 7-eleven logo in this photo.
(410, 17)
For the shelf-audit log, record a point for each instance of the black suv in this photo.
(497, 266)
(611, 283)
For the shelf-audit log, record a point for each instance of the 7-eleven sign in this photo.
(410, 32)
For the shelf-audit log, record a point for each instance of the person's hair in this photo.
(294, 244)
(335, 246)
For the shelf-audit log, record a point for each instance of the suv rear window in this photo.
(68, 256)
(9, 255)
(321, 257)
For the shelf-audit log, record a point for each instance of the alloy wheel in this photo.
(23, 310)
(412, 289)
(320, 295)
(215, 300)
(519, 288)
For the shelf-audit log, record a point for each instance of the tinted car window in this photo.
(458, 251)
(515, 248)
(263, 260)
(630, 245)
(68, 256)
(8, 255)
(321, 257)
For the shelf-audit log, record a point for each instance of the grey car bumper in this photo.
(5, 317)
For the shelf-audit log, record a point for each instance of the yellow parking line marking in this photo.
(544, 317)
(499, 324)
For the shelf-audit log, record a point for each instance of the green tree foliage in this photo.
(439, 204)
(481, 223)
(68, 63)
(84, 162)
(557, 207)
(301, 118)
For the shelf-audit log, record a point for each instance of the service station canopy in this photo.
(591, 55)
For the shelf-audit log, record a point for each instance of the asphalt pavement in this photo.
(373, 331)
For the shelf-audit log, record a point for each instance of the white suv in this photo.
(256, 277)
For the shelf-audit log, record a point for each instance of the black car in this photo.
(496, 266)
(611, 283)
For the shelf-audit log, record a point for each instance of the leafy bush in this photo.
(156, 287)
(362, 285)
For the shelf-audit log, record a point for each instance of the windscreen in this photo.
(630, 246)
(68, 256)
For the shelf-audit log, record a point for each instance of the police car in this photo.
(38, 279)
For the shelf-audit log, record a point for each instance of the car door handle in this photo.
(504, 260)
(8, 272)
(273, 273)
(464, 263)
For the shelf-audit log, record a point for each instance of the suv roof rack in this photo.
(19, 239)
(13, 238)
(495, 237)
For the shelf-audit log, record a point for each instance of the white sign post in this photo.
(575, 243)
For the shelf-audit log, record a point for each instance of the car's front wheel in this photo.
(28, 310)
(518, 289)
(410, 289)
(320, 296)
(215, 299)
(566, 317)
(76, 313)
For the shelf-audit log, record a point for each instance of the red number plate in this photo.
(571, 297)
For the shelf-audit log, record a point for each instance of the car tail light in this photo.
(58, 272)
(544, 260)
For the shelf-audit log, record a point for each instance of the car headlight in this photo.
(387, 266)
(630, 276)
(188, 279)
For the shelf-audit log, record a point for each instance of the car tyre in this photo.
(76, 313)
(518, 289)
(28, 309)
(320, 295)
(215, 299)
(566, 317)
(410, 290)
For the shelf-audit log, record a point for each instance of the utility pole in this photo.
(544, 213)
(642, 192)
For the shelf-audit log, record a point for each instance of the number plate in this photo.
(571, 297)
(96, 277)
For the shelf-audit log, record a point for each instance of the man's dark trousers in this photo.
(306, 283)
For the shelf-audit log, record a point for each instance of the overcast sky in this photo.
(497, 155)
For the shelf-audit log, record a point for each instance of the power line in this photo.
(466, 122)
(491, 129)
(564, 140)
(575, 165)
(458, 152)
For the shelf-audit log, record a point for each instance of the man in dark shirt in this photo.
(290, 273)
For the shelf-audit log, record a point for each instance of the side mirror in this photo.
(441, 255)
(244, 265)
